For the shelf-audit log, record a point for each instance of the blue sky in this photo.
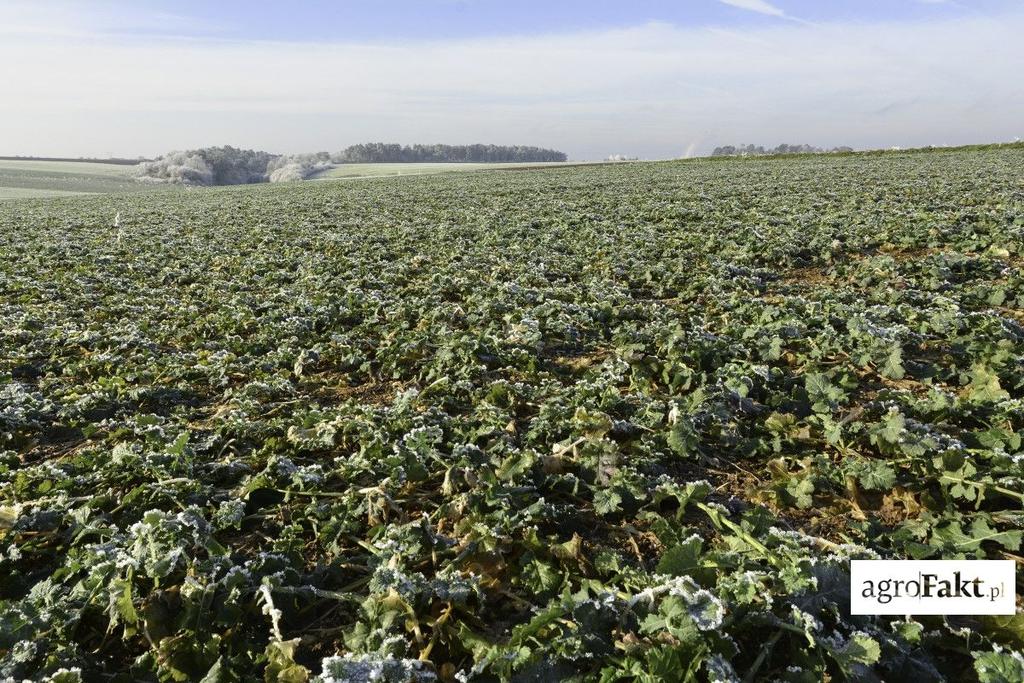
(654, 78)
(376, 21)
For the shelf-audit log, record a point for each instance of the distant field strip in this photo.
(21, 179)
(25, 179)
(380, 170)
(72, 167)
(32, 192)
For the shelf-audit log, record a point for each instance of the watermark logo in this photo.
(932, 587)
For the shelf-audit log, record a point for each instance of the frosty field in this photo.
(24, 178)
(619, 422)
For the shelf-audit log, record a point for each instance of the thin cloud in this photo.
(759, 6)
(62, 19)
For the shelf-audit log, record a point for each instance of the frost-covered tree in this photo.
(291, 167)
(183, 168)
(208, 166)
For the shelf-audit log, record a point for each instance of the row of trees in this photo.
(380, 152)
(758, 150)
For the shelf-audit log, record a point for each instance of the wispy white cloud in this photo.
(943, 3)
(650, 90)
(64, 18)
(759, 6)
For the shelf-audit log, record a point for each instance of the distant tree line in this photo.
(232, 166)
(758, 150)
(380, 152)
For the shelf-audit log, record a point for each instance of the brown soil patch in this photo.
(809, 276)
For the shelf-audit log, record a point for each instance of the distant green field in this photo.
(21, 179)
(34, 192)
(379, 170)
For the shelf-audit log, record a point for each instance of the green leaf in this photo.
(821, 392)
(998, 667)
(217, 673)
(910, 631)
(861, 649)
(281, 664)
(183, 658)
(981, 531)
(682, 438)
(665, 664)
(515, 465)
(801, 490)
(874, 475)
(893, 367)
(985, 387)
(179, 445)
(681, 559)
(593, 425)
(607, 501)
(122, 603)
(570, 550)
(780, 423)
(1006, 629)
(891, 430)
